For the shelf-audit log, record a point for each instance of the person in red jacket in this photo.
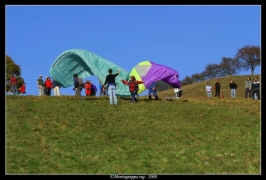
(13, 85)
(23, 89)
(87, 87)
(48, 86)
(133, 87)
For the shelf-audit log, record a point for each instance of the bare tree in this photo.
(249, 56)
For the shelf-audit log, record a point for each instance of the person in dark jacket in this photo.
(40, 86)
(217, 88)
(44, 87)
(93, 89)
(77, 88)
(233, 87)
(110, 82)
(256, 88)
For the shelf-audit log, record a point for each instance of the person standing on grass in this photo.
(256, 89)
(217, 88)
(56, 86)
(102, 89)
(110, 81)
(233, 87)
(209, 90)
(48, 86)
(93, 89)
(13, 85)
(44, 87)
(133, 88)
(40, 86)
(106, 89)
(180, 93)
(252, 84)
(77, 88)
(248, 84)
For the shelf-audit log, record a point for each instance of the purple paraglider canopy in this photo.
(150, 72)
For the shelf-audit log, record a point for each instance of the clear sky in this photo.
(185, 38)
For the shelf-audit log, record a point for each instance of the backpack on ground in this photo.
(80, 82)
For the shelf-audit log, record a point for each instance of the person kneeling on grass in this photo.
(22, 89)
(178, 92)
(133, 87)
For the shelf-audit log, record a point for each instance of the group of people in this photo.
(251, 88)
(47, 85)
(132, 84)
(232, 85)
(90, 88)
(109, 88)
(14, 90)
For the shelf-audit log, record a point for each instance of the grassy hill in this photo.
(190, 135)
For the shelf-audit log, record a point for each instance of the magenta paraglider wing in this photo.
(150, 72)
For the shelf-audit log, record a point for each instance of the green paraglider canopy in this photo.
(85, 64)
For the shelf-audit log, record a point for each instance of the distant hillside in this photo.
(198, 89)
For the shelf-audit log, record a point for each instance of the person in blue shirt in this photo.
(152, 90)
(101, 88)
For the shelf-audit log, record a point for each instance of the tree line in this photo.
(246, 58)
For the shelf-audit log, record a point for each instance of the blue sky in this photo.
(185, 38)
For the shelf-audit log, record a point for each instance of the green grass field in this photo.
(190, 135)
